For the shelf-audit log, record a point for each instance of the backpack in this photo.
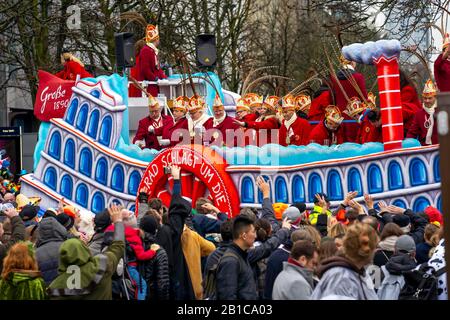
(124, 287)
(420, 284)
(209, 290)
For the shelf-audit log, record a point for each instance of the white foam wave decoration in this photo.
(367, 52)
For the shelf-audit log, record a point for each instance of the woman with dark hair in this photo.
(386, 246)
(410, 100)
(21, 279)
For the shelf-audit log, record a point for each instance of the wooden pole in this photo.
(443, 128)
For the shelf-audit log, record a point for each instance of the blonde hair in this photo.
(360, 243)
(337, 229)
(67, 56)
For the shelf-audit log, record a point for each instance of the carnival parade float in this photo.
(86, 156)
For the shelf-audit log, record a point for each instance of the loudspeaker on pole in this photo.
(125, 55)
(205, 50)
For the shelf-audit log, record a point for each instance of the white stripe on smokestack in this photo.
(389, 91)
(392, 124)
(390, 142)
(388, 76)
(391, 108)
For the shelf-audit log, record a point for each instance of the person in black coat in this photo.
(208, 218)
(235, 278)
(178, 211)
(156, 270)
(51, 236)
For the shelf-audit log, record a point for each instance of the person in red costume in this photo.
(320, 102)
(442, 66)
(408, 92)
(175, 129)
(329, 131)
(294, 130)
(302, 105)
(148, 67)
(197, 119)
(423, 127)
(72, 67)
(244, 113)
(351, 84)
(254, 101)
(221, 125)
(134, 91)
(371, 131)
(145, 135)
(266, 122)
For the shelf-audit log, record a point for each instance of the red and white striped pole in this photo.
(390, 102)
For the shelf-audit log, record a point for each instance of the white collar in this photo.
(216, 121)
(288, 123)
(151, 45)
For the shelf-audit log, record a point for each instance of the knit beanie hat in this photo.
(29, 212)
(102, 220)
(66, 220)
(291, 213)
(148, 224)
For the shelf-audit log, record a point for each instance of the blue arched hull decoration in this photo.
(70, 118)
(105, 131)
(50, 178)
(81, 195)
(82, 117)
(436, 169)
(420, 204)
(133, 184)
(93, 124)
(400, 203)
(69, 153)
(118, 178)
(86, 162)
(54, 149)
(281, 190)
(66, 187)
(355, 182)
(334, 186)
(101, 171)
(395, 176)
(314, 186)
(260, 195)
(418, 172)
(247, 191)
(374, 179)
(298, 190)
(98, 203)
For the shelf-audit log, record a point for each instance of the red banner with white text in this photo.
(52, 97)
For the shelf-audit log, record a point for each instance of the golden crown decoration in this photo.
(429, 90)
(241, 105)
(151, 33)
(196, 103)
(333, 114)
(288, 102)
(303, 102)
(354, 107)
(271, 102)
(181, 103)
(254, 100)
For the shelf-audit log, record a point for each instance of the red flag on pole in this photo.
(52, 97)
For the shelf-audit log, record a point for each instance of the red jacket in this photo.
(134, 72)
(409, 111)
(341, 102)
(151, 140)
(409, 94)
(227, 124)
(170, 126)
(71, 70)
(442, 74)
(368, 133)
(321, 133)
(133, 238)
(149, 69)
(318, 105)
(417, 129)
(268, 124)
(298, 133)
